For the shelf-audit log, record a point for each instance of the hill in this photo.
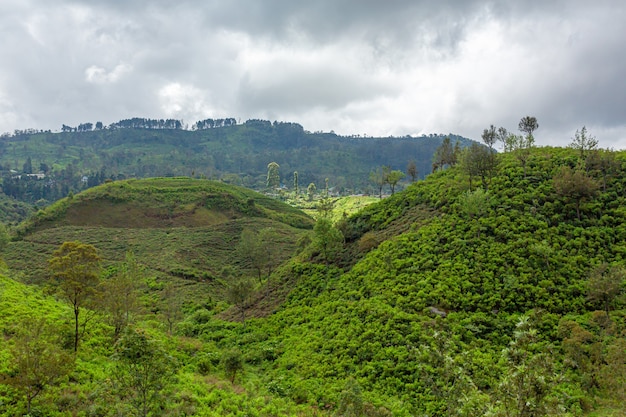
(454, 309)
(447, 298)
(183, 229)
(75, 159)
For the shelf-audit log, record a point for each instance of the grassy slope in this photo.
(181, 229)
(373, 322)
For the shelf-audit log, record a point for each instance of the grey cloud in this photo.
(560, 60)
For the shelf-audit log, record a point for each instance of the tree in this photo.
(393, 178)
(295, 183)
(232, 362)
(528, 125)
(270, 249)
(310, 191)
(143, 372)
(38, 360)
(444, 155)
(327, 239)
(251, 250)
(171, 304)
(602, 162)
(501, 135)
(529, 377)
(474, 204)
(574, 185)
(28, 166)
(4, 237)
(411, 170)
(606, 283)
(583, 143)
(522, 146)
(259, 250)
(76, 267)
(479, 161)
(379, 178)
(273, 175)
(490, 136)
(238, 292)
(119, 294)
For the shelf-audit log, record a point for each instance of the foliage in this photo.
(143, 373)
(327, 239)
(80, 158)
(75, 266)
(119, 294)
(37, 359)
(574, 185)
(462, 302)
(233, 363)
(238, 292)
(273, 176)
(606, 283)
(583, 143)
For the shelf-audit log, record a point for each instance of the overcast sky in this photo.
(374, 67)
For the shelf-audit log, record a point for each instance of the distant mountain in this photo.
(42, 166)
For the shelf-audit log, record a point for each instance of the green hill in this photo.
(443, 299)
(450, 307)
(182, 229)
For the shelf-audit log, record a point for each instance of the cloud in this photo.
(97, 75)
(178, 100)
(395, 67)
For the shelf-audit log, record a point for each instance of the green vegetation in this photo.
(42, 167)
(454, 297)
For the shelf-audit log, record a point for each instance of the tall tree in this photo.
(4, 237)
(393, 178)
(411, 170)
(490, 136)
(479, 161)
(530, 376)
(273, 175)
(310, 191)
(171, 305)
(522, 147)
(251, 250)
(528, 125)
(379, 178)
(238, 292)
(119, 294)
(444, 155)
(583, 143)
(295, 183)
(76, 267)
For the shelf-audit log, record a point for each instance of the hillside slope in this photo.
(442, 314)
(183, 230)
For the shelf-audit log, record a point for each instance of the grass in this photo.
(181, 230)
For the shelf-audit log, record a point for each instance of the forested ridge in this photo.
(493, 287)
(40, 167)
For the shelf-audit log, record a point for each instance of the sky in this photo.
(366, 67)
